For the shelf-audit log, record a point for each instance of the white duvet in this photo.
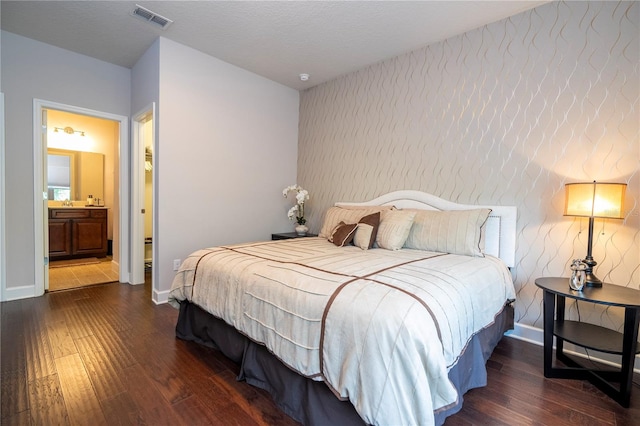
(382, 328)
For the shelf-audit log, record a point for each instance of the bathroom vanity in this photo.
(76, 232)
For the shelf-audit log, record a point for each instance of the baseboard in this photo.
(536, 336)
(15, 293)
(160, 297)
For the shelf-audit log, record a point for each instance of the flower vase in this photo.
(302, 230)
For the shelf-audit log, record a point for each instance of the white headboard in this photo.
(500, 229)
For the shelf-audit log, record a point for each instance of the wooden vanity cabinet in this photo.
(76, 233)
(59, 238)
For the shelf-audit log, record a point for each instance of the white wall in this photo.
(145, 79)
(31, 69)
(227, 146)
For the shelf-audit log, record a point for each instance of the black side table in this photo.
(289, 235)
(590, 336)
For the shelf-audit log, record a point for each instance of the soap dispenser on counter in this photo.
(90, 200)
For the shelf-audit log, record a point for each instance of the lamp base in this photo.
(591, 280)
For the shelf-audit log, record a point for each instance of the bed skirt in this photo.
(311, 402)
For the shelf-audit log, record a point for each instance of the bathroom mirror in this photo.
(74, 175)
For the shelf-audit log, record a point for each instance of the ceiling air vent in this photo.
(151, 17)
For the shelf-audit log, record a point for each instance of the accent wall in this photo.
(504, 114)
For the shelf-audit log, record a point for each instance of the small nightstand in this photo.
(590, 336)
(290, 235)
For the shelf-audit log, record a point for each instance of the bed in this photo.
(387, 317)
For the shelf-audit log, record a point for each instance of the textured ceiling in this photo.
(278, 40)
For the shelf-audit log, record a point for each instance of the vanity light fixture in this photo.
(68, 130)
(594, 200)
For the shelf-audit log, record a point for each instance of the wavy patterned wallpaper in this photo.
(505, 114)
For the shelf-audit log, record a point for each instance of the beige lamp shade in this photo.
(594, 199)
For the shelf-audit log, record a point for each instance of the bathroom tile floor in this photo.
(68, 277)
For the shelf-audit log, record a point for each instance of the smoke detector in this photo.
(304, 77)
(151, 17)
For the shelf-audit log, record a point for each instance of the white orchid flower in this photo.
(297, 211)
(293, 211)
(302, 196)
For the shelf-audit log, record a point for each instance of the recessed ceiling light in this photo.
(304, 77)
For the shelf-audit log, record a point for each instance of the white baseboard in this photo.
(536, 336)
(160, 297)
(22, 292)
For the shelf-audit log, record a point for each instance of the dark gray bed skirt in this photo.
(311, 402)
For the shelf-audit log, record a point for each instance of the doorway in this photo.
(82, 160)
(144, 172)
(118, 182)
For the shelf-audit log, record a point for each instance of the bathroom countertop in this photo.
(78, 207)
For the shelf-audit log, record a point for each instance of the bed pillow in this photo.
(394, 228)
(346, 214)
(343, 234)
(367, 231)
(453, 231)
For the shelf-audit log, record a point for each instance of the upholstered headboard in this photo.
(500, 229)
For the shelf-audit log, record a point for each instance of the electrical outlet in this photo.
(176, 264)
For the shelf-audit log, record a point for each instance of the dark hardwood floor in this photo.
(107, 355)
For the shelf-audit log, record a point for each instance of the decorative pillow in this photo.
(343, 234)
(453, 231)
(367, 231)
(347, 214)
(394, 228)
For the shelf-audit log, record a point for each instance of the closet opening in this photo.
(143, 175)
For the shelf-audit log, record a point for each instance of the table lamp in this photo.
(594, 200)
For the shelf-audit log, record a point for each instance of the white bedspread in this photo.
(381, 327)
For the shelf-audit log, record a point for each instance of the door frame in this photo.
(138, 195)
(40, 195)
(3, 257)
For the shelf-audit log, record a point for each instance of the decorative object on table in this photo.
(578, 276)
(297, 211)
(594, 200)
(302, 230)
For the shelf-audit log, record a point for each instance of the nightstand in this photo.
(590, 336)
(290, 235)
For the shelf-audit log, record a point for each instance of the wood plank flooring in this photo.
(107, 355)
